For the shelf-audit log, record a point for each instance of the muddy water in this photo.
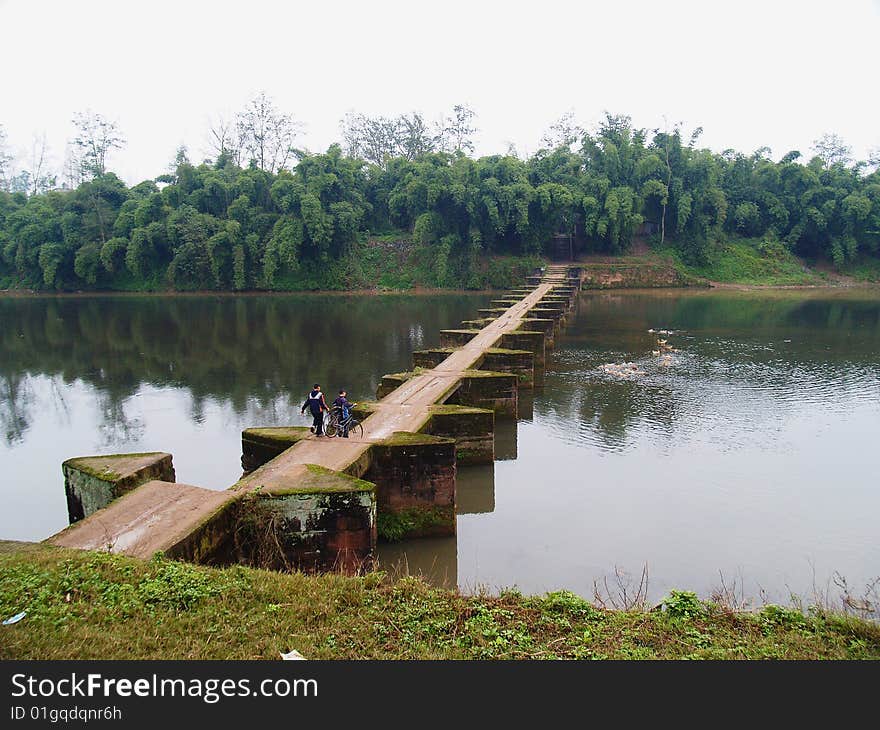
(751, 454)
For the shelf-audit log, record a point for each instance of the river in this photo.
(746, 458)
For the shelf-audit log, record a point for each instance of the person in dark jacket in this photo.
(317, 405)
(344, 406)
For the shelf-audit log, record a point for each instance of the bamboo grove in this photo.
(231, 224)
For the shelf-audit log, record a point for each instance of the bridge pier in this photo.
(547, 326)
(456, 338)
(508, 360)
(526, 340)
(431, 358)
(319, 504)
(391, 382)
(414, 475)
(92, 482)
(261, 445)
(485, 389)
(324, 521)
(472, 428)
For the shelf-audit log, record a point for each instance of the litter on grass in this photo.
(15, 619)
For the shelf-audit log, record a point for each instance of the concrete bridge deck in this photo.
(183, 520)
(403, 410)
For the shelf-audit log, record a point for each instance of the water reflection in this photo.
(84, 375)
(475, 490)
(751, 454)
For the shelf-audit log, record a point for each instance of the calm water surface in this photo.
(752, 454)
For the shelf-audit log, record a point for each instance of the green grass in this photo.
(392, 262)
(752, 261)
(863, 270)
(84, 605)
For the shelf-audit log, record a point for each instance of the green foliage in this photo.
(748, 261)
(779, 616)
(394, 526)
(221, 226)
(683, 605)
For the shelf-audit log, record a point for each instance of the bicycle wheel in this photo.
(354, 427)
(331, 427)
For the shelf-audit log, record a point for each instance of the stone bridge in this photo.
(318, 503)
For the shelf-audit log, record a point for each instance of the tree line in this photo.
(260, 208)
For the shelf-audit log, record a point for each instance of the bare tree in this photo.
(96, 137)
(454, 133)
(378, 139)
(564, 132)
(5, 161)
(266, 134)
(369, 138)
(833, 150)
(40, 179)
(223, 140)
(72, 168)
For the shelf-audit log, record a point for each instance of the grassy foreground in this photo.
(96, 606)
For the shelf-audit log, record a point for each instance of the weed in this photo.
(683, 605)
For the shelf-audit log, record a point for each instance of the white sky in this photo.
(773, 73)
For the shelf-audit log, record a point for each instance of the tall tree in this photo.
(455, 132)
(564, 132)
(5, 161)
(379, 139)
(833, 150)
(96, 137)
(37, 176)
(224, 143)
(266, 134)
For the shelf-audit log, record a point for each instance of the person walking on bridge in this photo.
(317, 405)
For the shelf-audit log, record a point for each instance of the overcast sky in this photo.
(772, 73)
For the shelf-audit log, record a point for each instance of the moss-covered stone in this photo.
(92, 482)
(472, 428)
(476, 324)
(416, 472)
(487, 389)
(320, 479)
(392, 382)
(526, 340)
(364, 409)
(506, 360)
(457, 338)
(431, 358)
(260, 445)
(325, 520)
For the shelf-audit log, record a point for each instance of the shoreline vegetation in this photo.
(737, 264)
(400, 206)
(90, 605)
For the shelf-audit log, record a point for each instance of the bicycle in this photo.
(336, 424)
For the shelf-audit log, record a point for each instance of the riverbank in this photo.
(762, 263)
(85, 605)
(734, 264)
(393, 264)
